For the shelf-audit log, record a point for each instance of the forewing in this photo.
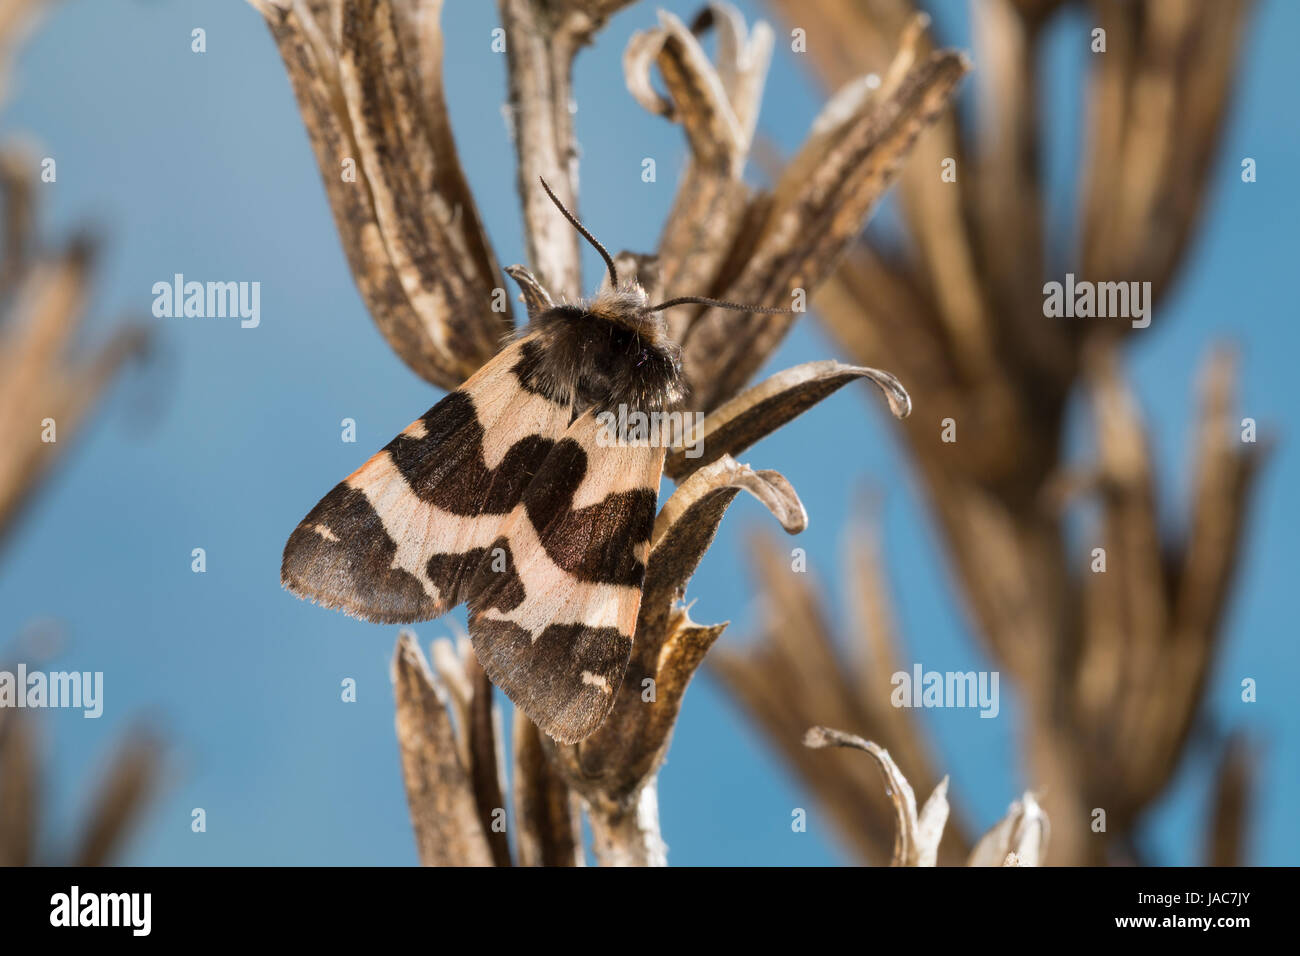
(397, 540)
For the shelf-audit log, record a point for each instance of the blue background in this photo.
(199, 164)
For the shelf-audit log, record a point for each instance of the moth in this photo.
(501, 497)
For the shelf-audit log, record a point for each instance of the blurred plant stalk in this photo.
(1111, 668)
(49, 386)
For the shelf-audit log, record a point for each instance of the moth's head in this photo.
(607, 352)
(628, 307)
(624, 303)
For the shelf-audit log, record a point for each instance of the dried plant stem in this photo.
(629, 835)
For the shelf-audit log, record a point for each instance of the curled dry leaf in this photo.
(683, 531)
(758, 411)
(696, 97)
(536, 299)
(717, 106)
(917, 836)
(692, 512)
(743, 59)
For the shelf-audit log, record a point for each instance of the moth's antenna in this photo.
(717, 304)
(604, 254)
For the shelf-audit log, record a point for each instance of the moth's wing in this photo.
(397, 539)
(552, 615)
